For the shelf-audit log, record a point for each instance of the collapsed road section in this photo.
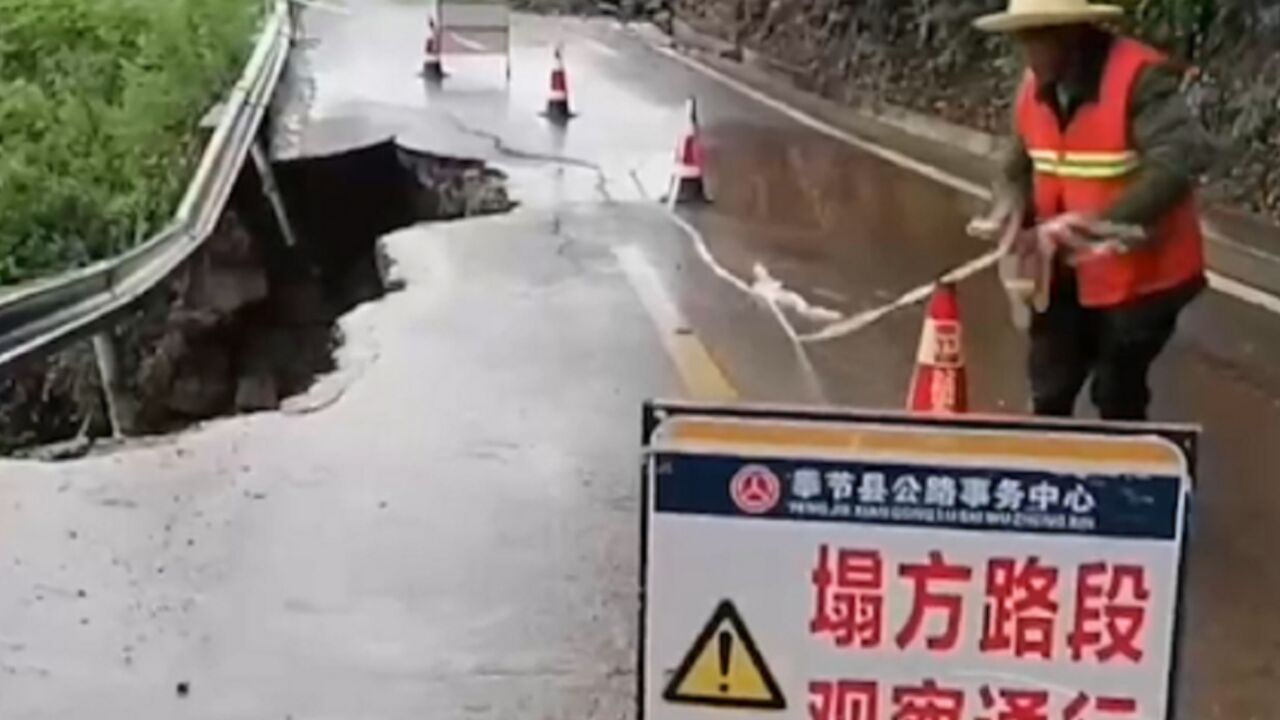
(248, 319)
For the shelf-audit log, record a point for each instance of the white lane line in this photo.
(933, 173)
(1217, 281)
(1245, 293)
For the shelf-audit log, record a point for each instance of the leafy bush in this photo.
(99, 106)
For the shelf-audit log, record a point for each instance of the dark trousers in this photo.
(1115, 345)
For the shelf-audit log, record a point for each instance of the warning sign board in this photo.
(473, 35)
(724, 668)
(853, 566)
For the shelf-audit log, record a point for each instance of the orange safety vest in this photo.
(1086, 166)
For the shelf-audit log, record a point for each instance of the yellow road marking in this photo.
(701, 376)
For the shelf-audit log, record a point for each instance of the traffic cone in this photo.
(432, 69)
(558, 102)
(938, 384)
(687, 183)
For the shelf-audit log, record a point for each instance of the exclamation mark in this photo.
(725, 642)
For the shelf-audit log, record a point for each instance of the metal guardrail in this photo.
(45, 313)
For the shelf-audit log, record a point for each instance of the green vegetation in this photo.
(1194, 28)
(99, 106)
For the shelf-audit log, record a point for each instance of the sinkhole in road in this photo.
(249, 319)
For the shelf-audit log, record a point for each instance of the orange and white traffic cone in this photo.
(939, 384)
(687, 184)
(432, 69)
(558, 102)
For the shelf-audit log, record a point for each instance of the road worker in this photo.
(1101, 172)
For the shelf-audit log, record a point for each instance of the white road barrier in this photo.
(475, 28)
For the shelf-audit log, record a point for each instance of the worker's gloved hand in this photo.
(1069, 232)
(1027, 269)
(1084, 237)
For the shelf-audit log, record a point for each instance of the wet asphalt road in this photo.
(447, 527)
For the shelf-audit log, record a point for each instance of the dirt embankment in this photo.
(248, 321)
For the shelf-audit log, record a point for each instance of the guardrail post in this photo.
(272, 191)
(104, 349)
(33, 318)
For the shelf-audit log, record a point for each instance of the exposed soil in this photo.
(247, 321)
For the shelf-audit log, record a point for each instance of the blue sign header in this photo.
(1022, 501)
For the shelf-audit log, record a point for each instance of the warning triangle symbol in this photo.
(724, 668)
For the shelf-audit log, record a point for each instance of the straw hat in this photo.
(1029, 14)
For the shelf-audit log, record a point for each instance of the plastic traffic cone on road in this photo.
(432, 69)
(687, 181)
(939, 384)
(558, 102)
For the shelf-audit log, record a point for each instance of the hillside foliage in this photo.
(100, 102)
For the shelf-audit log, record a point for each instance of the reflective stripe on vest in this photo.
(1087, 165)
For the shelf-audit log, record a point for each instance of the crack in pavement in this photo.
(766, 288)
(501, 145)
